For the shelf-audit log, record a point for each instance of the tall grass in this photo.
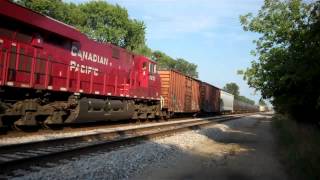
(298, 147)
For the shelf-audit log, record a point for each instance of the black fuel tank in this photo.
(93, 110)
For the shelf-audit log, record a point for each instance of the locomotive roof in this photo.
(36, 19)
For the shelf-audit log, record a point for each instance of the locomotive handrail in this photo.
(35, 70)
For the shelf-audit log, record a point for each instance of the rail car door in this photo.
(188, 95)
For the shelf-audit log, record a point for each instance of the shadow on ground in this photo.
(241, 149)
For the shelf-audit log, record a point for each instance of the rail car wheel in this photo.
(137, 121)
(24, 128)
(16, 127)
(52, 126)
(147, 119)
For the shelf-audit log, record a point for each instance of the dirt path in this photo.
(241, 149)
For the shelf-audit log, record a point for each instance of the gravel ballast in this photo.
(35, 137)
(131, 162)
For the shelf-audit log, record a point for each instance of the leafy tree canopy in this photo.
(262, 102)
(233, 88)
(287, 68)
(166, 62)
(245, 99)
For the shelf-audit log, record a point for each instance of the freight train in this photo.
(50, 74)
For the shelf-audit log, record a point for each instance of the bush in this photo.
(298, 147)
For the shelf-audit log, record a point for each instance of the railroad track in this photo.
(23, 152)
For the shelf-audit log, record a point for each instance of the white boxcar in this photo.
(226, 101)
(263, 108)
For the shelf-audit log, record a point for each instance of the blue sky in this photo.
(205, 32)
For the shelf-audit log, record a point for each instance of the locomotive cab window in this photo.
(152, 68)
(155, 69)
(144, 66)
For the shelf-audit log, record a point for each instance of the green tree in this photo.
(232, 88)
(262, 102)
(166, 62)
(187, 68)
(144, 50)
(245, 99)
(52, 8)
(287, 68)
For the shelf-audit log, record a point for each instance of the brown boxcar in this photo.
(209, 98)
(180, 93)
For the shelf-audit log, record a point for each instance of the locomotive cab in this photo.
(149, 79)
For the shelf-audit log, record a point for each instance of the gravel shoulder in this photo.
(239, 149)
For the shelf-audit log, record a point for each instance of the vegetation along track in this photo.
(16, 153)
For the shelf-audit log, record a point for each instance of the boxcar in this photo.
(239, 107)
(179, 93)
(209, 98)
(263, 108)
(226, 101)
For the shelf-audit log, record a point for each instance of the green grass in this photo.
(298, 147)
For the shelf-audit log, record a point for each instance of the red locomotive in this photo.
(51, 74)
